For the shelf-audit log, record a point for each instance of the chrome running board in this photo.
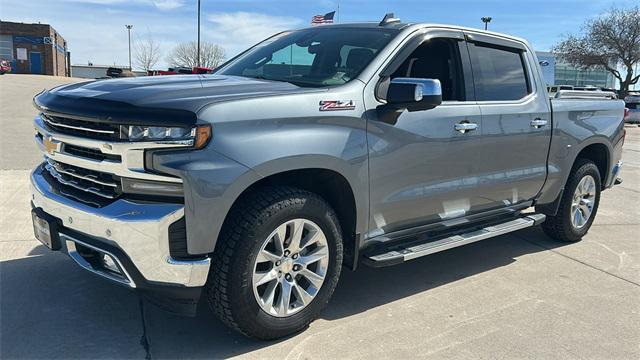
(400, 253)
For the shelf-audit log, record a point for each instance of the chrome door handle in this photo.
(465, 127)
(538, 123)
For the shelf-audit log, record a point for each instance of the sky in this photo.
(95, 29)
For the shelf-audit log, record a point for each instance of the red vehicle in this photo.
(181, 70)
(202, 70)
(5, 67)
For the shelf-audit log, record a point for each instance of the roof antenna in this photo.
(389, 18)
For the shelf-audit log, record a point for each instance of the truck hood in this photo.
(167, 100)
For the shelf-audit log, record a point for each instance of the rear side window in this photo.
(498, 73)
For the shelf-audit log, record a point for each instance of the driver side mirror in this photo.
(414, 93)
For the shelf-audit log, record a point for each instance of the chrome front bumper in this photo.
(140, 230)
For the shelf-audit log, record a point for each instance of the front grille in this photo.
(83, 128)
(89, 153)
(85, 184)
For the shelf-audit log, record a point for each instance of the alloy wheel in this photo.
(290, 268)
(583, 201)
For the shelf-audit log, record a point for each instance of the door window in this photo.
(498, 73)
(437, 59)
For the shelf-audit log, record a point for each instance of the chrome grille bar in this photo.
(83, 200)
(75, 184)
(49, 121)
(93, 178)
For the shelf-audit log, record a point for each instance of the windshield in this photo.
(315, 57)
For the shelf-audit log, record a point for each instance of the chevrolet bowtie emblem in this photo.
(50, 145)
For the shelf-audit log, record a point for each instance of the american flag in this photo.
(323, 19)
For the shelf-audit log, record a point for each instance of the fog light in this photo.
(109, 263)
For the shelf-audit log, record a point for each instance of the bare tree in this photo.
(147, 53)
(185, 54)
(610, 41)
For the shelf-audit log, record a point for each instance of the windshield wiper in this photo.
(262, 77)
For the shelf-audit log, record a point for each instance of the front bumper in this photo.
(135, 233)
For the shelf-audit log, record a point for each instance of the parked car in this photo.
(318, 149)
(632, 102)
(114, 72)
(181, 70)
(5, 67)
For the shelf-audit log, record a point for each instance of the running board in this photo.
(409, 251)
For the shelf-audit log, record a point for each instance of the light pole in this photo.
(198, 55)
(129, 32)
(486, 20)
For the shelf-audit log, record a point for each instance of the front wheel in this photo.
(277, 263)
(579, 204)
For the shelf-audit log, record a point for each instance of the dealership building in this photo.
(556, 72)
(34, 49)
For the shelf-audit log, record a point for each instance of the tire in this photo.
(563, 226)
(230, 288)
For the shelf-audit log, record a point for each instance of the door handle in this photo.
(465, 127)
(538, 123)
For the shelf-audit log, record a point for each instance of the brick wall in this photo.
(30, 37)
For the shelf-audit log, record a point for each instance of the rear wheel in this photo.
(276, 264)
(579, 204)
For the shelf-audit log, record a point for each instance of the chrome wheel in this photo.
(290, 267)
(583, 201)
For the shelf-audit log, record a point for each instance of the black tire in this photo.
(229, 288)
(560, 226)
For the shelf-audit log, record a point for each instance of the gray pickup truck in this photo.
(315, 150)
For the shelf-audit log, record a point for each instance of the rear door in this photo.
(516, 124)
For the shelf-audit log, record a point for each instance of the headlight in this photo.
(148, 133)
(198, 136)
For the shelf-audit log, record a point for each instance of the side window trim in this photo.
(508, 46)
(413, 44)
(527, 76)
(469, 85)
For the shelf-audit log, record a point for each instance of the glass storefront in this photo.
(556, 72)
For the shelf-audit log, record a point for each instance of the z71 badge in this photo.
(333, 105)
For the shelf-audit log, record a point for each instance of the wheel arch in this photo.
(595, 150)
(600, 154)
(340, 190)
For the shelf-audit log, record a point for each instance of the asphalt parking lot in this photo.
(516, 296)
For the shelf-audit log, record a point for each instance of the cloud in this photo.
(159, 4)
(236, 31)
(98, 2)
(168, 4)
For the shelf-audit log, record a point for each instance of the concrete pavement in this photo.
(515, 296)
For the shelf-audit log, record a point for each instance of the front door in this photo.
(35, 63)
(422, 169)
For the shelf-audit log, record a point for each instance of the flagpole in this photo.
(338, 17)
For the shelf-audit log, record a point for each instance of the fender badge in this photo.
(333, 105)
